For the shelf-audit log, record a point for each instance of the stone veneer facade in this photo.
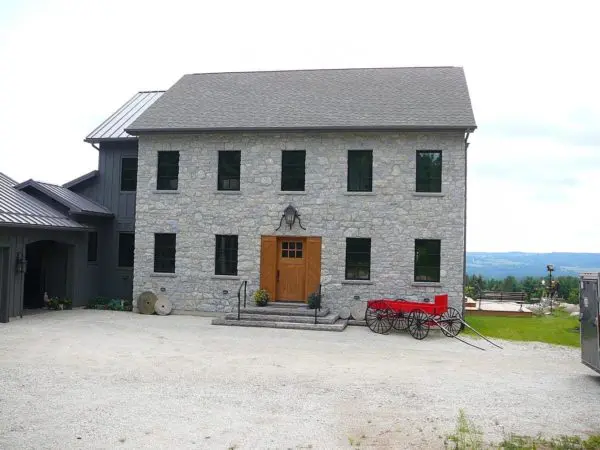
(393, 215)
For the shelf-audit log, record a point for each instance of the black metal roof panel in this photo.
(77, 204)
(19, 209)
(388, 98)
(113, 128)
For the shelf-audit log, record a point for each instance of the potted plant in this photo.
(261, 297)
(314, 301)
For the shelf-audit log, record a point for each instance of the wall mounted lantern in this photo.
(290, 214)
(20, 263)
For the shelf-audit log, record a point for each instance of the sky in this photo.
(532, 68)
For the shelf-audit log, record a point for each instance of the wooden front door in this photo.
(291, 269)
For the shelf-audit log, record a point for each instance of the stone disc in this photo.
(344, 313)
(163, 306)
(146, 302)
(358, 311)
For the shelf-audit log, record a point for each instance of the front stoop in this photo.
(284, 316)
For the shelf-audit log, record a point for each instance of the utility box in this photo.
(589, 314)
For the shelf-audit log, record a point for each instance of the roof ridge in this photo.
(326, 70)
(152, 92)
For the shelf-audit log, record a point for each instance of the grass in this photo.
(555, 329)
(468, 436)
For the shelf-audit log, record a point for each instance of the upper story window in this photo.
(427, 260)
(358, 259)
(92, 249)
(128, 174)
(229, 170)
(429, 171)
(360, 170)
(293, 169)
(126, 249)
(164, 252)
(226, 254)
(167, 175)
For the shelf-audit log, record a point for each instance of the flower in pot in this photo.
(261, 297)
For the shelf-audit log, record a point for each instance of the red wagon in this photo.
(417, 317)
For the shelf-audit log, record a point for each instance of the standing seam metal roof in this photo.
(113, 128)
(76, 203)
(19, 209)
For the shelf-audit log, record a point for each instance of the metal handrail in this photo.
(319, 305)
(239, 296)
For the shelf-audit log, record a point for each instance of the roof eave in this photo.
(149, 131)
(101, 140)
(44, 227)
(82, 212)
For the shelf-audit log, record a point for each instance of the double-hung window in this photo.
(229, 170)
(164, 252)
(167, 175)
(226, 254)
(427, 260)
(293, 169)
(358, 259)
(429, 171)
(360, 170)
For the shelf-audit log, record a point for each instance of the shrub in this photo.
(261, 297)
(59, 303)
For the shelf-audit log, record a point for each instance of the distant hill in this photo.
(501, 265)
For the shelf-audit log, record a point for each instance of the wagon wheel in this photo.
(400, 321)
(418, 324)
(378, 320)
(451, 322)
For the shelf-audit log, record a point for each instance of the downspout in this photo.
(466, 142)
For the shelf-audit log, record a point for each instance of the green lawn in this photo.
(555, 329)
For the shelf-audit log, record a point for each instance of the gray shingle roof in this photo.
(113, 128)
(21, 210)
(394, 98)
(76, 203)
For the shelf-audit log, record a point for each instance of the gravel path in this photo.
(103, 379)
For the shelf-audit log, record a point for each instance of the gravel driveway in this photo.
(103, 379)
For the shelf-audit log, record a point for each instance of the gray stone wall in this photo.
(393, 215)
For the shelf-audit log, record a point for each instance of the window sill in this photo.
(228, 192)
(359, 282)
(156, 191)
(291, 193)
(426, 284)
(225, 277)
(428, 194)
(124, 268)
(360, 193)
(127, 192)
(163, 275)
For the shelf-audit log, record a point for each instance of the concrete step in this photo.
(328, 319)
(284, 311)
(339, 326)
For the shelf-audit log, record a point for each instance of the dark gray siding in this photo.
(80, 276)
(106, 189)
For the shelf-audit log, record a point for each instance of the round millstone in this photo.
(146, 302)
(163, 306)
(358, 311)
(345, 313)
